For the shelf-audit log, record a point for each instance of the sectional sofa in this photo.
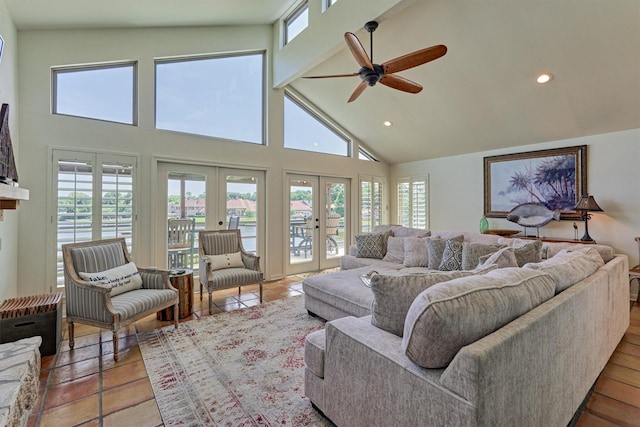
(505, 343)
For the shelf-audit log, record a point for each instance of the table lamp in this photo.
(587, 204)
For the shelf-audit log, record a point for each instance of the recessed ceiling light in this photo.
(387, 123)
(544, 78)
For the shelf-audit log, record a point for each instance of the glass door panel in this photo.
(317, 223)
(243, 206)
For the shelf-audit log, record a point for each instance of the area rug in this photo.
(242, 368)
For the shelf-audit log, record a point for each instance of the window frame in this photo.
(380, 183)
(209, 56)
(324, 120)
(411, 181)
(296, 13)
(55, 71)
(98, 160)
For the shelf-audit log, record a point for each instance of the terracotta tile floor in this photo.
(87, 388)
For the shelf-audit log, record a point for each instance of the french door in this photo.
(318, 222)
(212, 198)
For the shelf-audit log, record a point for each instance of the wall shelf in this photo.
(10, 196)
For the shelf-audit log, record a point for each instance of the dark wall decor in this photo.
(555, 178)
(8, 171)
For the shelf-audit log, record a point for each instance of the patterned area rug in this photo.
(242, 368)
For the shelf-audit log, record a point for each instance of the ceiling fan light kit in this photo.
(371, 73)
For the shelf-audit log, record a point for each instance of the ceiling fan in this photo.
(371, 73)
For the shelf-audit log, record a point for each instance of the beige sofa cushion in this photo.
(415, 252)
(569, 267)
(504, 257)
(395, 249)
(447, 316)
(471, 253)
(393, 295)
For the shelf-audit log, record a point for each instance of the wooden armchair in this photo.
(105, 289)
(225, 264)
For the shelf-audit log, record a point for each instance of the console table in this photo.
(556, 240)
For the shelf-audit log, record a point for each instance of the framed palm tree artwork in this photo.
(555, 178)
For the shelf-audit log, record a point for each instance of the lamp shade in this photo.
(587, 203)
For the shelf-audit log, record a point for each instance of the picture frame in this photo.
(555, 177)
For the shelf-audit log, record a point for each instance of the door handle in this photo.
(220, 222)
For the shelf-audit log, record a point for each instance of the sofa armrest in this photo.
(369, 381)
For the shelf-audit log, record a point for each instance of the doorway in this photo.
(318, 222)
(206, 198)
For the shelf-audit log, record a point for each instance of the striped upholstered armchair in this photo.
(104, 288)
(224, 263)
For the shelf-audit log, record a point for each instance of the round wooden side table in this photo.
(182, 280)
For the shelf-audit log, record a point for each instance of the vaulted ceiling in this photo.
(481, 95)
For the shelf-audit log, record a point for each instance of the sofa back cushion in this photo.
(447, 316)
(471, 253)
(393, 295)
(395, 250)
(569, 267)
(415, 252)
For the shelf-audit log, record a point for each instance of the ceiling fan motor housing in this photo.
(371, 76)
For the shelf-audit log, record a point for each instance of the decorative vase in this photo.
(484, 224)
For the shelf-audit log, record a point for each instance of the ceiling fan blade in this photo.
(357, 50)
(330, 76)
(356, 93)
(400, 83)
(414, 59)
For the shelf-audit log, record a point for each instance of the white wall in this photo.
(41, 50)
(9, 95)
(613, 178)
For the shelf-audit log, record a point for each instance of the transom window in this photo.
(220, 96)
(104, 92)
(306, 130)
(296, 22)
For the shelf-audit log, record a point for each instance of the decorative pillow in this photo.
(372, 245)
(415, 252)
(435, 249)
(528, 252)
(471, 252)
(395, 250)
(393, 295)
(220, 262)
(569, 267)
(504, 257)
(451, 257)
(122, 279)
(448, 316)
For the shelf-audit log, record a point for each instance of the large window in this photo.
(296, 22)
(371, 203)
(220, 96)
(94, 199)
(413, 202)
(103, 92)
(305, 130)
